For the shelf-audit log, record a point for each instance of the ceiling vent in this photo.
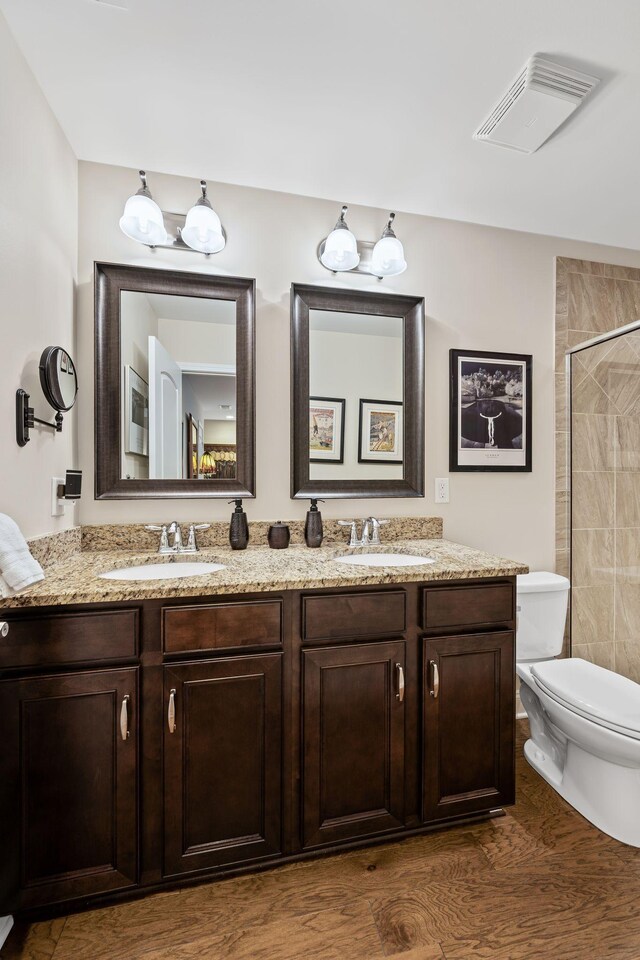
(538, 101)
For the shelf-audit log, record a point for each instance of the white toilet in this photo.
(584, 720)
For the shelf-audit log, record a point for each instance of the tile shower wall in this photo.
(594, 298)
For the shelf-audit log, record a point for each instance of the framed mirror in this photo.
(175, 384)
(357, 382)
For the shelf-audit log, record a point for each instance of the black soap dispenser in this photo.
(313, 525)
(239, 527)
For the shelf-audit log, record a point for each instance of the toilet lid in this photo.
(592, 691)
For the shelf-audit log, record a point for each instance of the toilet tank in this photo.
(542, 600)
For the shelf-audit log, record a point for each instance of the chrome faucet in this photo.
(174, 529)
(370, 535)
(353, 537)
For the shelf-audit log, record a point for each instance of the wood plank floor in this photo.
(538, 883)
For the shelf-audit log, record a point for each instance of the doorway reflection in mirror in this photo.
(179, 359)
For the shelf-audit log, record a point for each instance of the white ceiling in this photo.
(196, 309)
(363, 324)
(211, 391)
(366, 101)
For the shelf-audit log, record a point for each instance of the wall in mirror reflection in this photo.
(178, 385)
(356, 391)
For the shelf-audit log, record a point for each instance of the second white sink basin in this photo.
(163, 571)
(384, 560)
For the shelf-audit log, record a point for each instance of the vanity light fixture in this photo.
(340, 250)
(342, 253)
(142, 219)
(387, 259)
(200, 230)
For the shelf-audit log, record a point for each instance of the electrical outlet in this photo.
(442, 489)
(57, 505)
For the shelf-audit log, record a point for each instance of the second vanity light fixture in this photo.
(200, 230)
(340, 252)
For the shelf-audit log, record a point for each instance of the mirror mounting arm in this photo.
(26, 419)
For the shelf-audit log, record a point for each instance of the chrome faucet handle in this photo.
(365, 538)
(192, 543)
(164, 539)
(375, 533)
(353, 539)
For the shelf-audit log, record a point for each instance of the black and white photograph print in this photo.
(490, 415)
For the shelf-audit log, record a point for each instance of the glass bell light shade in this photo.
(142, 219)
(387, 259)
(340, 248)
(202, 230)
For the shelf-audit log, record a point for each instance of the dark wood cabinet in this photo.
(468, 724)
(222, 762)
(68, 803)
(146, 744)
(353, 750)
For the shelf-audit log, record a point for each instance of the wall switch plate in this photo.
(57, 505)
(442, 489)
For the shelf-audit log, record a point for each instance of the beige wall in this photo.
(38, 255)
(485, 289)
(140, 324)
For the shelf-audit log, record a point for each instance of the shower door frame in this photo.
(578, 348)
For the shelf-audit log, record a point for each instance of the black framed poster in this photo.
(490, 411)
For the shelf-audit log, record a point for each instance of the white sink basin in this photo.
(163, 571)
(384, 560)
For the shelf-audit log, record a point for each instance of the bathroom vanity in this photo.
(159, 733)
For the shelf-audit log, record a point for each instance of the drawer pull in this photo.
(171, 712)
(125, 733)
(4, 629)
(435, 689)
(400, 693)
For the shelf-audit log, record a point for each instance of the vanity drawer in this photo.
(69, 638)
(353, 615)
(460, 607)
(222, 626)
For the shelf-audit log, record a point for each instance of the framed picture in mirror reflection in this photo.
(326, 430)
(381, 431)
(136, 397)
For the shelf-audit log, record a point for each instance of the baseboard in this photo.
(521, 713)
(5, 926)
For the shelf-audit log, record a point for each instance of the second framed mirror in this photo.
(357, 375)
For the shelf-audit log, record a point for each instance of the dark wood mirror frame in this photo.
(411, 310)
(110, 280)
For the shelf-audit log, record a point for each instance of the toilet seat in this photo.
(599, 695)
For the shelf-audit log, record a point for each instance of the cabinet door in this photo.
(468, 724)
(68, 793)
(222, 762)
(353, 759)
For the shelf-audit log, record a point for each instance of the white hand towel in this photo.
(5, 589)
(18, 568)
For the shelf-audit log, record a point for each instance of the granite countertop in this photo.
(76, 579)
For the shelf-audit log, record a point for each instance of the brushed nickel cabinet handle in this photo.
(435, 690)
(400, 693)
(4, 628)
(171, 712)
(125, 733)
